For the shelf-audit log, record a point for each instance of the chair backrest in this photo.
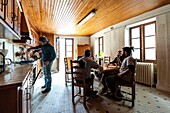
(134, 73)
(75, 72)
(106, 59)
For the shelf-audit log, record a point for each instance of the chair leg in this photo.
(65, 79)
(133, 95)
(72, 93)
(84, 97)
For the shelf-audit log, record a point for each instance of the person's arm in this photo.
(96, 65)
(52, 56)
(35, 48)
(131, 68)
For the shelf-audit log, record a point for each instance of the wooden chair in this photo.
(106, 59)
(128, 84)
(67, 70)
(77, 86)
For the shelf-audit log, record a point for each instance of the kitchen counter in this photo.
(16, 88)
(17, 75)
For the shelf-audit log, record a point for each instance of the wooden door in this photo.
(57, 52)
(24, 93)
(16, 17)
(2, 2)
(9, 13)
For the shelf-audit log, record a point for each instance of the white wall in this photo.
(9, 46)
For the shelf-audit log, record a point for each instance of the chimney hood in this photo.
(25, 33)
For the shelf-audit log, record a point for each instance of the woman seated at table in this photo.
(125, 71)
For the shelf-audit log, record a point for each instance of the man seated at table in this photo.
(88, 64)
(118, 60)
(125, 71)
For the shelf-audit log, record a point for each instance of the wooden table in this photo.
(109, 68)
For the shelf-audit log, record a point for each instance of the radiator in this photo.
(145, 73)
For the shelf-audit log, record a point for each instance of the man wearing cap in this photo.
(48, 56)
(124, 75)
(118, 60)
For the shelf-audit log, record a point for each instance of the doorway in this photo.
(64, 48)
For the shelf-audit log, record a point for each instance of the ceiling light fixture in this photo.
(87, 17)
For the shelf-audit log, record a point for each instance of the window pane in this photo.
(101, 47)
(150, 41)
(136, 43)
(136, 53)
(101, 40)
(68, 54)
(68, 42)
(69, 48)
(135, 32)
(150, 54)
(149, 29)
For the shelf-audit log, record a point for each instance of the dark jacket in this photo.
(48, 52)
(117, 61)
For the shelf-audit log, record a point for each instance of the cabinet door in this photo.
(24, 97)
(9, 13)
(16, 17)
(2, 8)
(82, 48)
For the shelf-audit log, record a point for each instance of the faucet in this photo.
(9, 61)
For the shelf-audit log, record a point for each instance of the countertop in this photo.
(17, 75)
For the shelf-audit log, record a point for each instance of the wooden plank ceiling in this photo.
(61, 16)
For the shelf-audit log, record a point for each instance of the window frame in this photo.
(66, 47)
(100, 46)
(142, 41)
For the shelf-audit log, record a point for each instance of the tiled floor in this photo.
(58, 100)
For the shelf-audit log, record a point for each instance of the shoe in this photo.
(43, 86)
(46, 90)
(102, 91)
(95, 92)
(115, 98)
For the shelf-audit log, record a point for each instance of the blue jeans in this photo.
(47, 75)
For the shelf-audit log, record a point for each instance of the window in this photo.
(69, 47)
(100, 46)
(144, 41)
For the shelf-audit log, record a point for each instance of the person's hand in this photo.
(119, 74)
(28, 49)
(46, 63)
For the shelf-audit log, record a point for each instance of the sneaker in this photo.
(102, 91)
(43, 86)
(114, 98)
(46, 90)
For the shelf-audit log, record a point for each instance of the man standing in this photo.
(48, 56)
